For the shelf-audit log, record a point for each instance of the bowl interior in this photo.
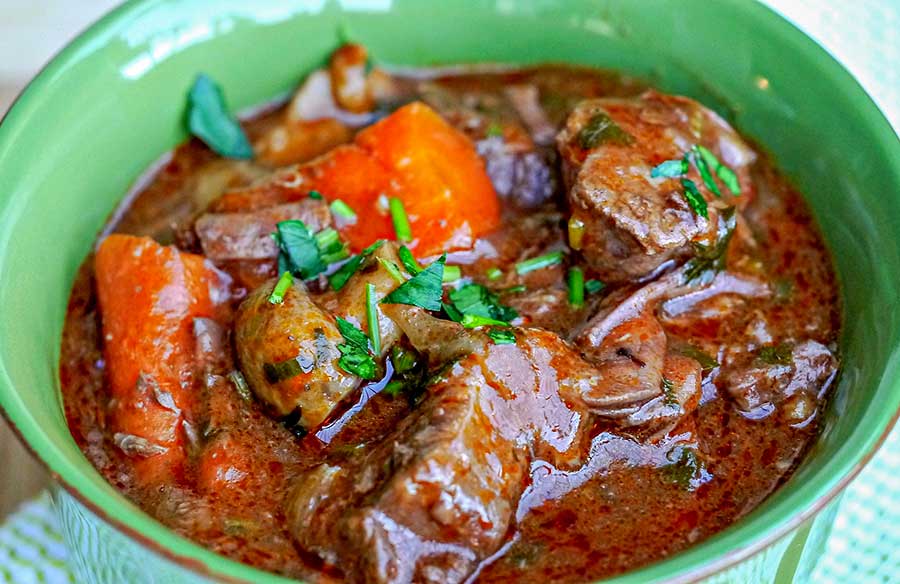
(112, 102)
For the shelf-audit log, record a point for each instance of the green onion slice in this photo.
(284, 282)
(540, 262)
(400, 219)
(576, 287)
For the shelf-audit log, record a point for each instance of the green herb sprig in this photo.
(209, 119)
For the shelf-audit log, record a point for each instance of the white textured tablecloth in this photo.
(864, 546)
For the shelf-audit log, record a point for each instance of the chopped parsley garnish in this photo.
(540, 262)
(707, 362)
(725, 174)
(303, 254)
(694, 199)
(670, 169)
(780, 354)
(400, 219)
(276, 372)
(707, 164)
(424, 289)
(494, 129)
(669, 397)
(356, 358)
(601, 129)
(315, 195)
(452, 274)
(576, 287)
(687, 471)
(340, 277)
(501, 336)
(342, 209)
(593, 286)
(209, 120)
(709, 260)
(494, 274)
(408, 261)
(476, 300)
(277, 295)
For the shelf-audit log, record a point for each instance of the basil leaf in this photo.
(694, 198)
(424, 290)
(339, 278)
(601, 129)
(209, 120)
(670, 169)
(355, 356)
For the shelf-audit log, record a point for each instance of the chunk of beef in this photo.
(525, 178)
(633, 222)
(759, 381)
(248, 236)
(427, 503)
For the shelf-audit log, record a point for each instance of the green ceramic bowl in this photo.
(113, 101)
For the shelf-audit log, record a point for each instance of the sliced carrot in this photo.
(149, 295)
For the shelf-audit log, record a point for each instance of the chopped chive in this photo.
(284, 282)
(408, 261)
(393, 270)
(400, 219)
(593, 286)
(543, 261)
(342, 209)
(729, 179)
(502, 336)
(340, 277)
(372, 318)
(576, 232)
(494, 274)
(240, 384)
(694, 198)
(474, 320)
(725, 174)
(670, 169)
(315, 195)
(576, 287)
(452, 274)
(517, 289)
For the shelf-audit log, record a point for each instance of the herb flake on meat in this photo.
(424, 290)
(356, 358)
(601, 129)
(209, 120)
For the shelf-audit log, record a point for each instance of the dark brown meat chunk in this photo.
(248, 236)
(759, 380)
(632, 222)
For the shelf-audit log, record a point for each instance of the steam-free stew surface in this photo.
(663, 407)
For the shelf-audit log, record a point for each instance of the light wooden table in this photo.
(22, 476)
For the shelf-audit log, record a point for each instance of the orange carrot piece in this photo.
(437, 174)
(149, 295)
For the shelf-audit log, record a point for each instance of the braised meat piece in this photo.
(633, 222)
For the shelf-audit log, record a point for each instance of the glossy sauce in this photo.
(621, 510)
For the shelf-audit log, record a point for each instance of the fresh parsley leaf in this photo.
(709, 260)
(476, 300)
(424, 290)
(687, 471)
(694, 198)
(670, 169)
(780, 354)
(601, 129)
(408, 261)
(593, 286)
(501, 336)
(356, 358)
(299, 251)
(340, 277)
(668, 387)
(315, 195)
(209, 120)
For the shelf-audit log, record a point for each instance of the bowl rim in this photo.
(777, 24)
